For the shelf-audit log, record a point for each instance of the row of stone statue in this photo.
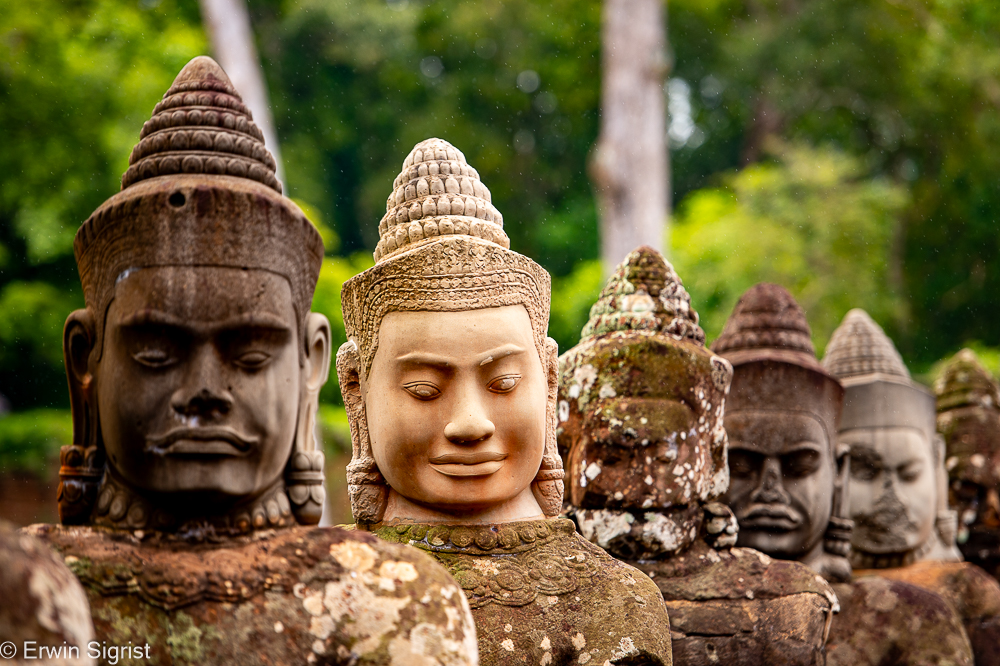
(189, 497)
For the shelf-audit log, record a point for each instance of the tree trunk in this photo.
(630, 168)
(227, 23)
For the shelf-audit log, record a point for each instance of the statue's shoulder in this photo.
(305, 590)
(881, 618)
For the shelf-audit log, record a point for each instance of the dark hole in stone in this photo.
(177, 199)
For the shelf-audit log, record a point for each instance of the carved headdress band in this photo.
(880, 392)
(769, 330)
(199, 191)
(442, 248)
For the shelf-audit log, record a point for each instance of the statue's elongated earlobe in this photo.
(548, 485)
(82, 462)
(367, 487)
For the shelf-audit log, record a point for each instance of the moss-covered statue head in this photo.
(195, 368)
(641, 403)
(968, 406)
(448, 376)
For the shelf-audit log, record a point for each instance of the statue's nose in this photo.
(469, 422)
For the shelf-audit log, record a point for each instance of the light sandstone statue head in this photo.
(195, 368)
(641, 402)
(898, 481)
(448, 376)
(968, 406)
(787, 474)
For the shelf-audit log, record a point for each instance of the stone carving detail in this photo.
(42, 603)
(194, 376)
(899, 485)
(887, 414)
(790, 486)
(201, 126)
(968, 405)
(782, 420)
(641, 408)
(448, 378)
(553, 563)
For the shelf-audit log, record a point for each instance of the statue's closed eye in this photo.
(504, 384)
(253, 360)
(153, 357)
(422, 390)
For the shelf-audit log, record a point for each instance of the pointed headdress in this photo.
(442, 248)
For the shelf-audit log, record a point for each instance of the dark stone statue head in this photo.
(968, 406)
(898, 482)
(787, 474)
(640, 414)
(195, 368)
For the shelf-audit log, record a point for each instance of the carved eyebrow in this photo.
(444, 362)
(263, 320)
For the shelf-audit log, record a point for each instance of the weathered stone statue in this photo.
(641, 404)
(450, 385)
(899, 484)
(968, 404)
(194, 373)
(44, 616)
(789, 486)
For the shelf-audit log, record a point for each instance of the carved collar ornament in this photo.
(641, 404)
(200, 191)
(880, 394)
(442, 248)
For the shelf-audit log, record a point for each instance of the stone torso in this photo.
(289, 596)
(970, 591)
(885, 622)
(541, 594)
(738, 606)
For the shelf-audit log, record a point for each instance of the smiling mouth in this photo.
(482, 463)
(200, 442)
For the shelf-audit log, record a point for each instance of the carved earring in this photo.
(548, 486)
(81, 464)
(366, 486)
(304, 474)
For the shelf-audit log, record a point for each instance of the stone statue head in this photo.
(194, 370)
(898, 482)
(641, 402)
(968, 406)
(787, 473)
(448, 376)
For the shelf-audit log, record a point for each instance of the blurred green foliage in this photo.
(843, 148)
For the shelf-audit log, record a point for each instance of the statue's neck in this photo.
(522, 507)
(124, 507)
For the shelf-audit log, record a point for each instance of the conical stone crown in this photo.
(767, 319)
(644, 294)
(964, 382)
(437, 194)
(201, 126)
(859, 346)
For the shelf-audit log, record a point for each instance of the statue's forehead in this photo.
(892, 445)
(204, 293)
(454, 332)
(774, 431)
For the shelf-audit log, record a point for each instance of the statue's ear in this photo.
(82, 462)
(548, 484)
(365, 484)
(841, 480)
(305, 469)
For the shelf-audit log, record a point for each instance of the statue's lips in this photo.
(770, 517)
(470, 463)
(212, 441)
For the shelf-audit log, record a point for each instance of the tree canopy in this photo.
(843, 148)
